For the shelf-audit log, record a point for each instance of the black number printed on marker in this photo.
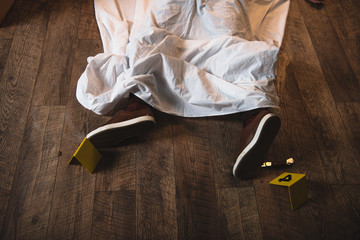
(286, 179)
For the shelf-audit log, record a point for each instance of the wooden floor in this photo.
(175, 182)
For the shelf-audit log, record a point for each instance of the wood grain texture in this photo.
(350, 115)
(352, 51)
(296, 132)
(320, 104)
(117, 169)
(224, 135)
(345, 19)
(338, 74)
(30, 201)
(114, 215)
(74, 188)
(5, 45)
(230, 226)
(88, 28)
(16, 86)
(195, 191)
(9, 23)
(55, 67)
(308, 139)
(341, 212)
(296, 136)
(274, 201)
(155, 183)
(175, 182)
(238, 214)
(249, 216)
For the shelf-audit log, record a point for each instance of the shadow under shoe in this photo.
(137, 119)
(255, 141)
(316, 4)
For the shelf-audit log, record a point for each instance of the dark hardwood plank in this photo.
(5, 45)
(296, 133)
(249, 213)
(350, 115)
(345, 19)
(155, 183)
(301, 139)
(296, 136)
(88, 28)
(196, 195)
(114, 215)
(238, 214)
(320, 105)
(8, 25)
(278, 221)
(337, 71)
(55, 68)
(117, 169)
(16, 86)
(224, 136)
(175, 182)
(341, 215)
(74, 189)
(230, 226)
(331, 213)
(30, 199)
(352, 51)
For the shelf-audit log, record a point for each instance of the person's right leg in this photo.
(260, 130)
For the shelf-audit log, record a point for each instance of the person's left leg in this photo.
(260, 130)
(135, 120)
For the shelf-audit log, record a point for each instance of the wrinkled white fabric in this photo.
(190, 58)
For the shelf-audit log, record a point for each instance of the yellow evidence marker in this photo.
(297, 188)
(87, 155)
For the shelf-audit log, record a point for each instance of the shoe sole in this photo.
(111, 135)
(253, 156)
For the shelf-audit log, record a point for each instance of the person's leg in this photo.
(248, 115)
(135, 120)
(260, 130)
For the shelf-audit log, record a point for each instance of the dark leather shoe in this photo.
(256, 138)
(137, 119)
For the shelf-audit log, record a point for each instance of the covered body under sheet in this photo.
(186, 57)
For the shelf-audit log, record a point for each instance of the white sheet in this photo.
(188, 58)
